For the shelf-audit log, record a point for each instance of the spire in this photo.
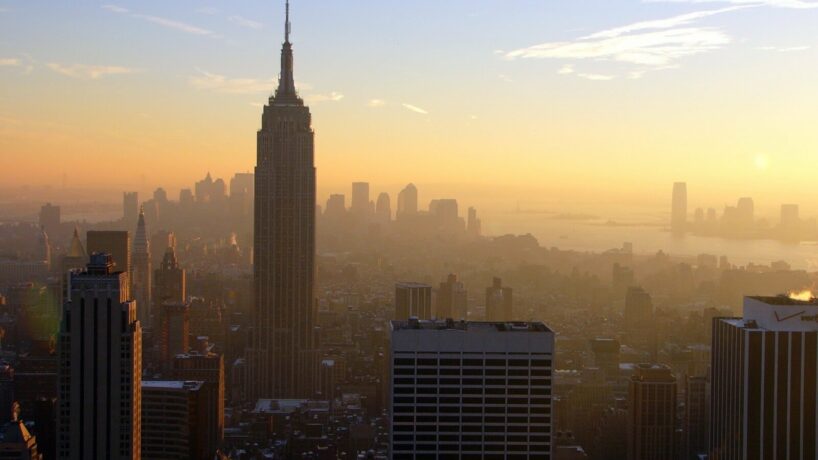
(140, 242)
(285, 93)
(76, 250)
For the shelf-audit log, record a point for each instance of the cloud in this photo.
(222, 84)
(651, 45)
(566, 69)
(9, 62)
(596, 76)
(89, 72)
(784, 49)
(797, 4)
(334, 96)
(414, 108)
(375, 103)
(164, 22)
(244, 22)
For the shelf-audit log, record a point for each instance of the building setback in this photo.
(470, 389)
(100, 367)
(763, 392)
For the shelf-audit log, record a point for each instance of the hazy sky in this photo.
(601, 98)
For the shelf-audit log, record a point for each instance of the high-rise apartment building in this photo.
(678, 218)
(652, 413)
(282, 362)
(470, 389)
(764, 389)
(141, 280)
(499, 302)
(174, 420)
(413, 300)
(407, 202)
(452, 299)
(100, 367)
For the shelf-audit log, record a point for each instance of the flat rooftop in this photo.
(173, 384)
(468, 326)
(784, 300)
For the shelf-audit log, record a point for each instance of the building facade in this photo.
(413, 300)
(652, 413)
(470, 389)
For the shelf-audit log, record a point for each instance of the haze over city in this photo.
(408, 230)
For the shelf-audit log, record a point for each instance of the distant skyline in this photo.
(571, 99)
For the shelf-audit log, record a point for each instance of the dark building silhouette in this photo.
(638, 316)
(282, 362)
(652, 413)
(130, 208)
(696, 417)
(50, 218)
(407, 202)
(452, 299)
(499, 302)
(100, 356)
(169, 280)
(174, 420)
(116, 243)
(141, 273)
(16, 442)
(413, 300)
(208, 368)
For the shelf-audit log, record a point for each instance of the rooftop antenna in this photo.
(287, 22)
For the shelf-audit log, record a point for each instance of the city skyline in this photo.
(514, 82)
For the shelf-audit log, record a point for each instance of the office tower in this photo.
(44, 248)
(16, 442)
(696, 417)
(130, 208)
(763, 401)
(499, 302)
(452, 299)
(242, 183)
(473, 225)
(678, 219)
(638, 316)
(50, 218)
(100, 355)
(470, 388)
(651, 413)
(141, 281)
(383, 208)
(407, 201)
(413, 300)
(169, 280)
(115, 243)
(174, 423)
(606, 356)
(282, 362)
(209, 368)
(160, 241)
(336, 207)
(359, 207)
(174, 330)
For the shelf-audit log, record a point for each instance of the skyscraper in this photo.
(209, 368)
(499, 302)
(115, 243)
(383, 208)
(764, 390)
(500, 407)
(451, 299)
(100, 355)
(130, 208)
(360, 200)
(651, 413)
(174, 420)
(473, 224)
(413, 300)
(50, 218)
(141, 282)
(282, 362)
(678, 219)
(407, 201)
(638, 316)
(170, 280)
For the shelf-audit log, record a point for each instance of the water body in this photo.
(649, 234)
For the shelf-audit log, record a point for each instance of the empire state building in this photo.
(282, 361)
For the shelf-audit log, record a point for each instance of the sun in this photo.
(761, 162)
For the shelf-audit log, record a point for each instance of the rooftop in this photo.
(784, 300)
(468, 326)
(173, 384)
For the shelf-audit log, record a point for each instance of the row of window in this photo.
(476, 456)
(541, 448)
(470, 438)
(402, 429)
(467, 381)
(476, 372)
(468, 410)
(469, 419)
(472, 390)
(472, 362)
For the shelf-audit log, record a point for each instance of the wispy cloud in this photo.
(784, 49)
(596, 76)
(375, 103)
(164, 22)
(798, 4)
(334, 96)
(414, 108)
(9, 62)
(244, 22)
(89, 72)
(648, 45)
(223, 84)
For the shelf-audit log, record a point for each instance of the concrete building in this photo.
(470, 389)
(764, 390)
(174, 420)
(413, 299)
(100, 367)
(499, 302)
(652, 413)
